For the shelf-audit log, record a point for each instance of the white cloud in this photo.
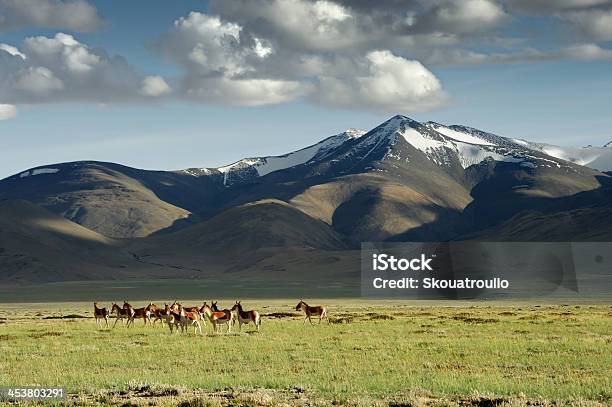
(76, 15)
(329, 11)
(260, 52)
(245, 92)
(7, 111)
(384, 82)
(223, 64)
(587, 52)
(302, 24)
(208, 43)
(60, 69)
(262, 49)
(38, 80)
(462, 17)
(154, 86)
(63, 49)
(14, 51)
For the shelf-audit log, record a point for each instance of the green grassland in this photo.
(373, 353)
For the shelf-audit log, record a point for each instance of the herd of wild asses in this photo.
(177, 316)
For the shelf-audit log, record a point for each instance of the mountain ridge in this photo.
(403, 180)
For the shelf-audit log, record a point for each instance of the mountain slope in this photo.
(401, 181)
(585, 216)
(37, 245)
(253, 226)
(114, 200)
(259, 237)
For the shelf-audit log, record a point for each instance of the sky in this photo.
(170, 85)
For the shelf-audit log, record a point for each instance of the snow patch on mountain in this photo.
(442, 144)
(599, 158)
(266, 165)
(458, 135)
(38, 171)
(439, 143)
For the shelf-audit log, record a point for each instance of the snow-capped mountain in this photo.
(251, 168)
(442, 144)
(599, 158)
(403, 180)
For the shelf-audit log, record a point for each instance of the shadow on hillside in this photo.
(501, 199)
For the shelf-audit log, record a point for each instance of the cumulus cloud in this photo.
(60, 68)
(223, 64)
(226, 62)
(75, 15)
(37, 80)
(9, 49)
(7, 111)
(342, 53)
(461, 17)
(154, 86)
(387, 83)
(302, 24)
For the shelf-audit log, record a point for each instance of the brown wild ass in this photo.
(158, 313)
(309, 311)
(191, 318)
(244, 317)
(144, 313)
(121, 313)
(100, 314)
(173, 318)
(217, 318)
(127, 307)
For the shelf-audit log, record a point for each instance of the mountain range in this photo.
(305, 212)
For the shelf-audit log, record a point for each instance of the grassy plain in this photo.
(373, 353)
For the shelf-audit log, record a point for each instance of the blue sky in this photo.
(131, 83)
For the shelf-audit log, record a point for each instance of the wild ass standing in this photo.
(121, 313)
(144, 313)
(309, 311)
(217, 317)
(173, 318)
(244, 317)
(191, 318)
(100, 314)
